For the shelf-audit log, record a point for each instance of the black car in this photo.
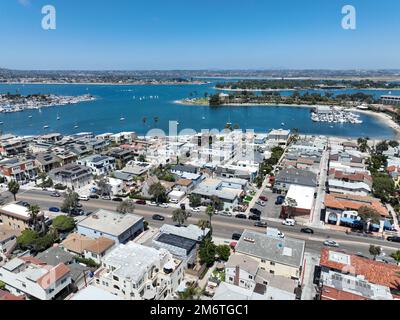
(255, 211)
(393, 239)
(158, 217)
(94, 196)
(254, 217)
(117, 199)
(307, 230)
(24, 204)
(77, 212)
(236, 236)
(241, 216)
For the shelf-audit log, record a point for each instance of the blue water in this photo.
(114, 102)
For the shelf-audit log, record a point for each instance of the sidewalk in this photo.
(308, 291)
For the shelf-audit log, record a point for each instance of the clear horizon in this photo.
(206, 35)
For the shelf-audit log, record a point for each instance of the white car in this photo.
(289, 222)
(175, 201)
(261, 203)
(163, 205)
(331, 243)
(84, 198)
(195, 209)
(153, 204)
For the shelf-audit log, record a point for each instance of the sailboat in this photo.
(122, 119)
(30, 117)
(45, 127)
(58, 117)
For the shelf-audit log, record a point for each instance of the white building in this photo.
(34, 279)
(100, 165)
(136, 272)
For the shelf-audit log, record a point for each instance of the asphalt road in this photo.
(223, 227)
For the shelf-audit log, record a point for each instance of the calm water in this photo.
(114, 102)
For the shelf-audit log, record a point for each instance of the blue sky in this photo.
(199, 34)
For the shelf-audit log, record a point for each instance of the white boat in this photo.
(58, 117)
(122, 119)
(282, 124)
(1, 123)
(30, 117)
(76, 127)
(45, 127)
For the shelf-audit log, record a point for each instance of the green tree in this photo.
(210, 213)
(158, 191)
(368, 215)
(393, 143)
(71, 200)
(126, 206)
(190, 293)
(203, 225)
(223, 251)
(381, 147)
(362, 144)
(2, 285)
(194, 200)
(217, 203)
(13, 188)
(63, 223)
(207, 252)
(34, 211)
(396, 256)
(30, 239)
(383, 186)
(179, 216)
(142, 158)
(375, 251)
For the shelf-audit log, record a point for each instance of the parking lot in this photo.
(270, 210)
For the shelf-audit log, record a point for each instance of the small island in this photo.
(17, 102)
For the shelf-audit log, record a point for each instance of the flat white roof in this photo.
(304, 196)
(110, 222)
(93, 293)
(16, 209)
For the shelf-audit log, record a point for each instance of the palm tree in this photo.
(210, 212)
(34, 211)
(126, 206)
(179, 216)
(203, 225)
(13, 187)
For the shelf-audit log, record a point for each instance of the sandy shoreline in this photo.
(103, 83)
(289, 89)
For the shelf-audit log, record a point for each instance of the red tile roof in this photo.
(328, 293)
(53, 275)
(373, 271)
(6, 296)
(354, 202)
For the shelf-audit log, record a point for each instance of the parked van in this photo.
(84, 198)
(289, 222)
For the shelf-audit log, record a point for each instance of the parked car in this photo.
(79, 205)
(105, 197)
(307, 230)
(94, 196)
(175, 201)
(263, 198)
(195, 209)
(153, 204)
(255, 211)
(54, 209)
(141, 202)
(331, 243)
(163, 205)
(261, 224)
(24, 204)
(84, 198)
(280, 200)
(261, 203)
(55, 195)
(236, 236)
(254, 217)
(225, 213)
(289, 222)
(393, 239)
(117, 199)
(158, 217)
(241, 216)
(77, 212)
